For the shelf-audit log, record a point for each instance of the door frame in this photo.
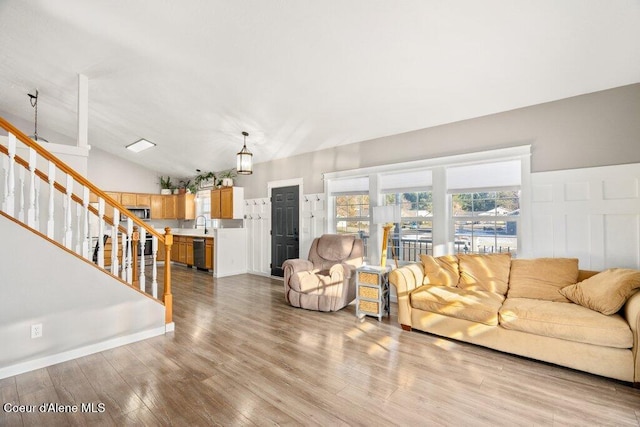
(285, 183)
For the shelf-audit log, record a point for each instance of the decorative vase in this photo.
(165, 191)
(176, 191)
(227, 182)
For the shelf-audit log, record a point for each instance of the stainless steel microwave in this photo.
(142, 213)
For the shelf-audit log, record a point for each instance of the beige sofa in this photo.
(546, 309)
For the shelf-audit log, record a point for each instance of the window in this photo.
(413, 235)
(486, 222)
(352, 216)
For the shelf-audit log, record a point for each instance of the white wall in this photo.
(82, 310)
(112, 173)
(592, 214)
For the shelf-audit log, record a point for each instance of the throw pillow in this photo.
(442, 271)
(485, 272)
(541, 278)
(605, 292)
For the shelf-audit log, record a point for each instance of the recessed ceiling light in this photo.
(140, 145)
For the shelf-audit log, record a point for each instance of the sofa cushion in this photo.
(605, 292)
(542, 278)
(476, 306)
(442, 270)
(565, 321)
(485, 272)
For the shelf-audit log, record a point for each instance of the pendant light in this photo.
(245, 158)
(34, 103)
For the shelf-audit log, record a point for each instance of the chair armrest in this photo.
(344, 269)
(406, 279)
(296, 265)
(632, 314)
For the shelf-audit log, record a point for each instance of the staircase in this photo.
(54, 208)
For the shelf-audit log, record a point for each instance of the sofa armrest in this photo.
(632, 314)
(406, 279)
(344, 269)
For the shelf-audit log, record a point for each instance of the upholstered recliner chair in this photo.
(326, 281)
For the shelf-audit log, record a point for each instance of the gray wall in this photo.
(598, 129)
(78, 305)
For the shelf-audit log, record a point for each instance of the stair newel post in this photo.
(85, 222)
(9, 201)
(154, 267)
(167, 298)
(142, 236)
(114, 243)
(52, 192)
(31, 211)
(68, 230)
(21, 200)
(101, 232)
(128, 247)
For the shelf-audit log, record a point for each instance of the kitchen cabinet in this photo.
(226, 203)
(128, 199)
(157, 206)
(186, 206)
(142, 200)
(108, 209)
(208, 253)
(169, 207)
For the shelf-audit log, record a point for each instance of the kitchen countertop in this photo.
(192, 232)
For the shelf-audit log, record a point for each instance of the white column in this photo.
(68, 231)
(21, 199)
(85, 231)
(115, 266)
(52, 192)
(143, 239)
(443, 233)
(9, 201)
(31, 211)
(101, 232)
(154, 267)
(83, 110)
(128, 247)
(36, 206)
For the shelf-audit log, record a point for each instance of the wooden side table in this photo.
(372, 291)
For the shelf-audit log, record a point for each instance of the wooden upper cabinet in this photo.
(128, 199)
(136, 199)
(108, 208)
(157, 207)
(143, 200)
(226, 203)
(169, 207)
(216, 208)
(186, 206)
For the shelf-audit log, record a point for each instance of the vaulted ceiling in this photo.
(298, 75)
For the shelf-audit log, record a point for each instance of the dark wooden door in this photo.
(285, 231)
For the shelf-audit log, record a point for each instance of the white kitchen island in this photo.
(230, 251)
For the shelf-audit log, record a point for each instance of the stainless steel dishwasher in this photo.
(199, 254)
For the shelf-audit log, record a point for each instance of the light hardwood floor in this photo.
(241, 356)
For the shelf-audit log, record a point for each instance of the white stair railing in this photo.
(74, 221)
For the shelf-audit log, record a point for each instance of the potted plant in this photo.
(203, 177)
(183, 186)
(227, 176)
(166, 185)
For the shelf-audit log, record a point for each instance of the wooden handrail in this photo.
(166, 239)
(69, 171)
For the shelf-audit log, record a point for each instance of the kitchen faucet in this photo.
(205, 223)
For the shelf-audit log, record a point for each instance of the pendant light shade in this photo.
(245, 159)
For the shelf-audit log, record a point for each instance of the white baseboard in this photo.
(43, 362)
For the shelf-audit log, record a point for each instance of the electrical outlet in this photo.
(36, 330)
